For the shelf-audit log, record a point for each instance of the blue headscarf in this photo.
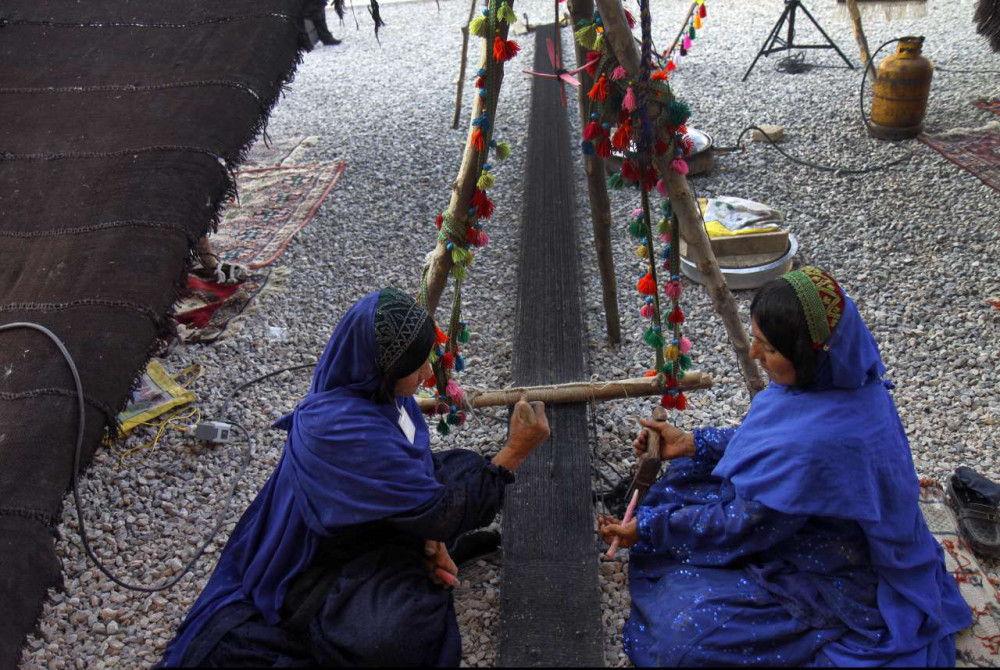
(838, 449)
(346, 462)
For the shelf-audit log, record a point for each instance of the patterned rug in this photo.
(988, 105)
(274, 204)
(281, 152)
(975, 149)
(211, 311)
(978, 645)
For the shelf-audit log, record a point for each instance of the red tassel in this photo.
(682, 129)
(646, 285)
(504, 50)
(471, 235)
(478, 139)
(660, 75)
(439, 337)
(702, 12)
(431, 382)
(448, 361)
(649, 181)
(676, 316)
(439, 221)
(668, 401)
(630, 171)
(593, 61)
(483, 205)
(670, 65)
(603, 147)
(671, 382)
(661, 147)
(621, 137)
(600, 90)
(682, 403)
(592, 131)
(650, 373)
(631, 19)
(480, 82)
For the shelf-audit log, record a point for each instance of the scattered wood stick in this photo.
(574, 392)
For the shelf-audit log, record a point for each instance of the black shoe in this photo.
(976, 501)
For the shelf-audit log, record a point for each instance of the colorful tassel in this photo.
(629, 102)
(684, 362)
(506, 14)
(439, 221)
(671, 353)
(685, 345)
(636, 229)
(646, 285)
(630, 171)
(431, 383)
(592, 131)
(619, 74)
(479, 26)
(600, 45)
(448, 361)
(697, 22)
(480, 82)
(502, 151)
(482, 239)
(622, 136)
(459, 363)
(454, 391)
(599, 91)
(702, 12)
(691, 34)
(660, 75)
(464, 336)
(681, 402)
(673, 289)
(646, 311)
(504, 50)
(668, 401)
(661, 188)
(679, 166)
(649, 179)
(676, 316)
(478, 139)
(603, 147)
(460, 256)
(684, 51)
(593, 62)
(663, 228)
(483, 205)
(585, 36)
(615, 182)
(630, 19)
(686, 44)
(642, 251)
(486, 181)
(653, 338)
(440, 338)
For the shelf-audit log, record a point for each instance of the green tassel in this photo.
(485, 181)
(506, 14)
(599, 44)
(453, 419)
(502, 151)
(458, 272)
(479, 26)
(691, 32)
(637, 229)
(679, 112)
(460, 256)
(668, 368)
(616, 182)
(685, 362)
(463, 337)
(663, 227)
(667, 209)
(653, 338)
(443, 427)
(586, 36)
(681, 374)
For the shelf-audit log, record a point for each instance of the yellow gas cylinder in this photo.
(902, 84)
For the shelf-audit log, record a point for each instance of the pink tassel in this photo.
(636, 212)
(679, 166)
(687, 43)
(665, 238)
(454, 391)
(482, 239)
(661, 188)
(685, 345)
(646, 312)
(619, 73)
(672, 289)
(628, 103)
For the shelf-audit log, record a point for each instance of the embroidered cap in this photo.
(821, 298)
(398, 322)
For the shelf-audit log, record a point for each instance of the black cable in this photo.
(224, 412)
(864, 78)
(81, 421)
(938, 68)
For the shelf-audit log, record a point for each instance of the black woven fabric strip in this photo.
(130, 88)
(63, 393)
(99, 227)
(109, 23)
(83, 303)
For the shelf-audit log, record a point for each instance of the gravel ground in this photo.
(915, 246)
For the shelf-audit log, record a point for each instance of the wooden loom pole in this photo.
(859, 31)
(461, 67)
(575, 392)
(620, 38)
(597, 188)
(468, 173)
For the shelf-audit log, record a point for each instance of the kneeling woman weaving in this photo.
(796, 538)
(341, 558)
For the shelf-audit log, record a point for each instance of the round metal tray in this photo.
(748, 278)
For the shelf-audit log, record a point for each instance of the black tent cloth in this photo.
(120, 125)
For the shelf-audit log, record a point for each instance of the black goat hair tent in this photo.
(120, 125)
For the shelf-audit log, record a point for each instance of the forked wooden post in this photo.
(623, 44)
(859, 31)
(597, 188)
(461, 67)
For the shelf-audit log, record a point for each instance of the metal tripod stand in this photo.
(775, 43)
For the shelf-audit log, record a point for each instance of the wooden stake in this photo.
(575, 392)
(859, 31)
(461, 67)
(597, 189)
(468, 174)
(617, 32)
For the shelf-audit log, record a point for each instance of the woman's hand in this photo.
(529, 427)
(610, 528)
(674, 442)
(442, 569)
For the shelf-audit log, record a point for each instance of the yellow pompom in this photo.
(642, 251)
(672, 352)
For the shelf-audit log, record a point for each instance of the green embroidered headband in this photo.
(821, 298)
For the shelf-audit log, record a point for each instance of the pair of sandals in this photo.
(976, 501)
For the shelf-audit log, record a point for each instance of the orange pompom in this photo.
(599, 91)
(439, 337)
(646, 285)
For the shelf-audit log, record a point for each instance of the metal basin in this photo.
(748, 278)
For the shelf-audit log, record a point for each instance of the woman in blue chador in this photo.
(343, 557)
(794, 539)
